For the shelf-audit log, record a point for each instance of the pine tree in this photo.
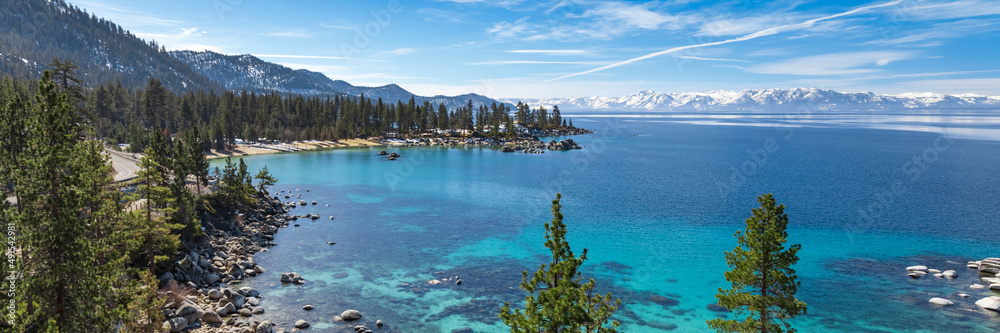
(66, 214)
(557, 301)
(763, 281)
(157, 207)
(265, 180)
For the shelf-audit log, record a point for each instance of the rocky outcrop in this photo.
(221, 257)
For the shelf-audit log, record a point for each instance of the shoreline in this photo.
(521, 143)
(297, 146)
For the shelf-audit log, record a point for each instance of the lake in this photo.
(656, 199)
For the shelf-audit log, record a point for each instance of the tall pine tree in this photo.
(763, 281)
(557, 299)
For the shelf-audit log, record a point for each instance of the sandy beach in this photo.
(259, 149)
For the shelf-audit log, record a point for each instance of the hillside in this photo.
(34, 32)
(247, 72)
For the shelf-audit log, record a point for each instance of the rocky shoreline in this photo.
(988, 271)
(201, 295)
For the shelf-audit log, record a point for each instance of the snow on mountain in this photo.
(771, 100)
(246, 72)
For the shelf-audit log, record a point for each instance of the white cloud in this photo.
(532, 62)
(711, 59)
(289, 34)
(402, 51)
(946, 9)
(933, 35)
(832, 64)
(295, 56)
(125, 16)
(762, 33)
(597, 20)
(552, 52)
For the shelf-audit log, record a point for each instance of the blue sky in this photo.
(564, 48)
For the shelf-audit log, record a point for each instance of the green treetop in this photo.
(557, 301)
(763, 281)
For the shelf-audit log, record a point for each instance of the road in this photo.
(125, 166)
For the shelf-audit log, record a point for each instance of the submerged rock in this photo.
(351, 315)
(940, 301)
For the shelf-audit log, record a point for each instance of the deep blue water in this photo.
(656, 204)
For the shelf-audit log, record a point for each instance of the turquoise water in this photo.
(656, 204)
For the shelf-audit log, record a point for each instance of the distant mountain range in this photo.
(247, 72)
(33, 32)
(771, 100)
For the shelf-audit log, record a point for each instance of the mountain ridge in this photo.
(250, 73)
(779, 100)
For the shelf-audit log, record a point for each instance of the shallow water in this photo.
(656, 204)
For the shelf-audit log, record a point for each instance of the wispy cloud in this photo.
(552, 52)
(947, 9)
(595, 20)
(538, 62)
(761, 33)
(440, 15)
(288, 34)
(832, 64)
(296, 56)
(402, 51)
(938, 32)
(125, 16)
(711, 59)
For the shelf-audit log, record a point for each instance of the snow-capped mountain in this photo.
(247, 72)
(771, 100)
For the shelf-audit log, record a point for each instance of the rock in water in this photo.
(989, 303)
(265, 327)
(940, 301)
(917, 274)
(308, 307)
(977, 286)
(350, 315)
(950, 274)
(378, 323)
(916, 268)
(301, 324)
(990, 266)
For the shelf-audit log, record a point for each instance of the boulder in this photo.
(973, 265)
(990, 266)
(244, 312)
(917, 274)
(189, 312)
(238, 300)
(940, 301)
(916, 268)
(950, 274)
(253, 301)
(989, 303)
(308, 307)
(176, 324)
(259, 270)
(214, 294)
(995, 287)
(394, 155)
(378, 323)
(301, 324)
(977, 286)
(933, 271)
(265, 327)
(211, 318)
(258, 311)
(383, 153)
(350, 315)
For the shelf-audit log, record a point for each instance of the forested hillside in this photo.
(34, 32)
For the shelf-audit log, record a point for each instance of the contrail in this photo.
(758, 34)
